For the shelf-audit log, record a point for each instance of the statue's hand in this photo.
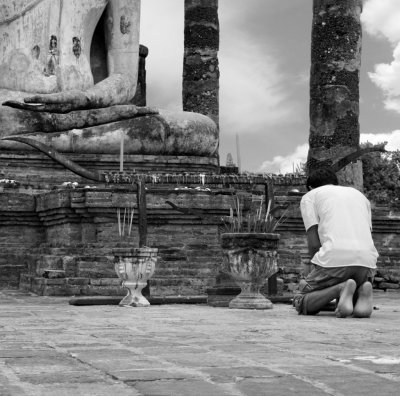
(114, 90)
(61, 102)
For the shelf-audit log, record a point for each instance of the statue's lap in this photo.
(167, 133)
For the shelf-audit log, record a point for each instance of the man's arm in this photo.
(314, 243)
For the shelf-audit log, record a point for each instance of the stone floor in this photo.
(48, 347)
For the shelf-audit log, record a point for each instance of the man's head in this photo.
(321, 177)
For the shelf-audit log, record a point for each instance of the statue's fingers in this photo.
(49, 98)
(23, 106)
(74, 96)
(51, 108)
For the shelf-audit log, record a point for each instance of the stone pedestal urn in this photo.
(250, 258)
(135, 266)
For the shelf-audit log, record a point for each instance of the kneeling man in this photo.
(338, 224)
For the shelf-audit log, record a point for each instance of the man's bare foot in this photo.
(363, 307)
(345, 304)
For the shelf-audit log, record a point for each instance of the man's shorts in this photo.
(321, 278)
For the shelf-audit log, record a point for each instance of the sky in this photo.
(264, 60)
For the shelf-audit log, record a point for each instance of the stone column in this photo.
(334, 85)
(200, 65)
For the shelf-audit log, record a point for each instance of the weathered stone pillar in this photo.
(334, 85)
(200, 64)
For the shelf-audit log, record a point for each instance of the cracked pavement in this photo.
(49, 347)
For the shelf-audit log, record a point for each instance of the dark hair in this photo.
(321, 177)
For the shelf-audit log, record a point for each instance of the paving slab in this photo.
(49, 347)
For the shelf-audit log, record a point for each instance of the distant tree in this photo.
(382, 176)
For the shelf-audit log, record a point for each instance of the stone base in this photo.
(250, 301)
(134, 299)
(40, 172)
(221, 296)
(73, 231)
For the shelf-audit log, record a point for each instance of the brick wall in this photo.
(21, 232)
(61, 242)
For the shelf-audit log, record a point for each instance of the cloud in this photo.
(255, 92)
(392, 138)
(161, 30)
(387, 77)
(381, 19)
(286, 164)
(252, 95)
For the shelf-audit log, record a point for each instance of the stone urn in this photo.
(135, 266)
(250, 258)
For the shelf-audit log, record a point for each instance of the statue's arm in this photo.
(122, 37)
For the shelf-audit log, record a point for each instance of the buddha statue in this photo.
(68, 74)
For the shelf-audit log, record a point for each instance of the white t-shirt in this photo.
(343, 216)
